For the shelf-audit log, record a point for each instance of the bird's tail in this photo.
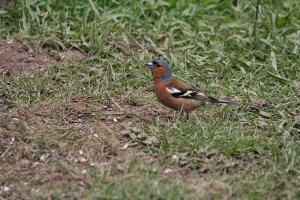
(222, 101)
(206, 99)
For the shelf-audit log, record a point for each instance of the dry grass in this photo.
(90, 127)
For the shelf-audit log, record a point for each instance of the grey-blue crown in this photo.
(168, 75)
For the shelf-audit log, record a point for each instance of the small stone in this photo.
(175, 158)
(125, 146)
(6, 189)
(25, 162)
(22, 49)
(43, 158)
(37, 190)
(82, 160)
(29, 59)
(168, 171)
(12, 140)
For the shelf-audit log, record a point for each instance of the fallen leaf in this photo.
(265, 114)
(150, 140)
(260, 103)
(132, 135)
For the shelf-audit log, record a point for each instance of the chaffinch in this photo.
(175, 94)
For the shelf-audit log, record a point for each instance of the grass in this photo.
(93, 129)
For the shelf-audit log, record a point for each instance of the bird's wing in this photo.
(196, 95)
(188, 94)
(179, 89)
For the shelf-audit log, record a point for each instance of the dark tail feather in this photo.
(222, 101)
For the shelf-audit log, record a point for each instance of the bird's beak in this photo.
(150, 65)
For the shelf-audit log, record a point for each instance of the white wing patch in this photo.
(188, 93)
(173, 90)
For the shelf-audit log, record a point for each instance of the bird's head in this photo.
(160, 70)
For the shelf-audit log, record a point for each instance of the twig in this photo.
(5, 152)
(125, 112)
(115, 102)
(278, 76)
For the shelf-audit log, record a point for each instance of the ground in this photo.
(78, 117)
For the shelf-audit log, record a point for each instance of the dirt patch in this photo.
(74, 55)
(18, 58)
(61, 144)
(4, 106)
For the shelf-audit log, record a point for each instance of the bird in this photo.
(174, 93)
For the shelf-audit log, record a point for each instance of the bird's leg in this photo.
(181, 113)
(187, 116)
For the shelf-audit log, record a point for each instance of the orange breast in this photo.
(168, 100)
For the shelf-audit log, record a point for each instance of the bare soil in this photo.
(60, 143)
(16, 58)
